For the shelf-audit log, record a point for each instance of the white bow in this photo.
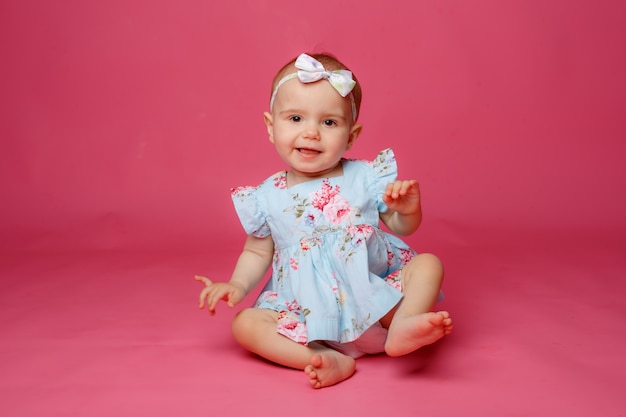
(312, 70)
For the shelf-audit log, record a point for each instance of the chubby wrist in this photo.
(415, 212)
(409, 216)
(240, 285)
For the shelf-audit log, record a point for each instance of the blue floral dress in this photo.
(335, 273)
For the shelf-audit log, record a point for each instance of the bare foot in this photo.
(409, 333)
(329, 367)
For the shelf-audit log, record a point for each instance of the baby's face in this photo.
(311, 126)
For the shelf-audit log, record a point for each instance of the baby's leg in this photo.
(255, 330)
(413, 324)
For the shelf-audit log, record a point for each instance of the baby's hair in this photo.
(331, 63)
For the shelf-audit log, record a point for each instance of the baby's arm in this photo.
(404, 215)
(251, 266)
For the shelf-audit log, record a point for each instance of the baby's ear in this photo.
(269, 122)
(354, 134)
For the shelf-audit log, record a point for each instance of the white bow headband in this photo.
(311, 70)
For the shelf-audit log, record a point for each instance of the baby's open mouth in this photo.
(307, 151)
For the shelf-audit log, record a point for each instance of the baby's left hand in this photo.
(403, 196)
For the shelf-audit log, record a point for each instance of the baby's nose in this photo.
(311, 131)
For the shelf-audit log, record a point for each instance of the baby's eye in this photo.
(330, 122)
(295, 119)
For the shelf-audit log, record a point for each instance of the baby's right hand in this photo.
(214, 292)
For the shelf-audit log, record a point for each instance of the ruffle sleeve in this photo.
(385, 171)
(250, 211)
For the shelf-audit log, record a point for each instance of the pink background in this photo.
(123, 125)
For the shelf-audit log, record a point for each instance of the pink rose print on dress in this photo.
(359, 233)
(280, 180)
(322, 197)
(268, 296)
(309, 220)
(334, 207)
(337, 209)
(406, 255)
(395, 280)
(290, 326)
(293, 264)
(360, 230)
(242, 191)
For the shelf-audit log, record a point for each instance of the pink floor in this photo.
(538, 332)
(123, 125)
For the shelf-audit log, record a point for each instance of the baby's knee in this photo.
(426, 265)
(430, 261)
(242, 322)
(249, 321)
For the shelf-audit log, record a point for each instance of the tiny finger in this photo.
(396, 189)
(204, 280)
(406, 186)
(389, 189)
(203, 295)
